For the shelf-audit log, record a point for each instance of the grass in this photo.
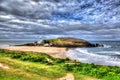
(67, 42)
(40, 66)
(79, 76)
(101, 72)
(19, 74)
(39, 69)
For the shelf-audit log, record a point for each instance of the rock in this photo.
(99, 45)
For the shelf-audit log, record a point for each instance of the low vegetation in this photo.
(63, 42)
(68, 42)
(40, 66)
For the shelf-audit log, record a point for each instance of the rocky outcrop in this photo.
(63, 42)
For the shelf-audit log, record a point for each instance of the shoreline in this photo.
(56, 52)
(44, 64)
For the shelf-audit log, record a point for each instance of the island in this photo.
(63, 42)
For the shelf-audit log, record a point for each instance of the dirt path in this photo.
(69, 76)
(90, 78)
(4, 66)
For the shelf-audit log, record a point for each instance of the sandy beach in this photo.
(52, 51)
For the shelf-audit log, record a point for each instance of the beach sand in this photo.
(52, 51)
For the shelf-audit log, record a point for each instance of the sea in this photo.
(12, 43)
(107, 55)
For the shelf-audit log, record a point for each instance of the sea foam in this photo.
(83, 55)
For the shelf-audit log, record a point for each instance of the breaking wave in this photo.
(83, 55)
(107, 46)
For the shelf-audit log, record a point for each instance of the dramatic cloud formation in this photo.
(41, 19)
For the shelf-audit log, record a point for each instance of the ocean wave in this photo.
(106, 46)
(109, 52)
(83, 55)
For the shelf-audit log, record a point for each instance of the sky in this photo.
(46, 19)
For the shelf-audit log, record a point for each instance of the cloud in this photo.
(46, 29)
(36, 19)
(27, 8)
(89, 11)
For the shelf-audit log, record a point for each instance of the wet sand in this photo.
(55, 52)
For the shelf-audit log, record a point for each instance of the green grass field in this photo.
(40, 66)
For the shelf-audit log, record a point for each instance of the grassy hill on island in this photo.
(68, 42)
(62, 42)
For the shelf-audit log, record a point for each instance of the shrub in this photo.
(15, 56)
(59, 60)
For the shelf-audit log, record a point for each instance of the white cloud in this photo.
(33, 19)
